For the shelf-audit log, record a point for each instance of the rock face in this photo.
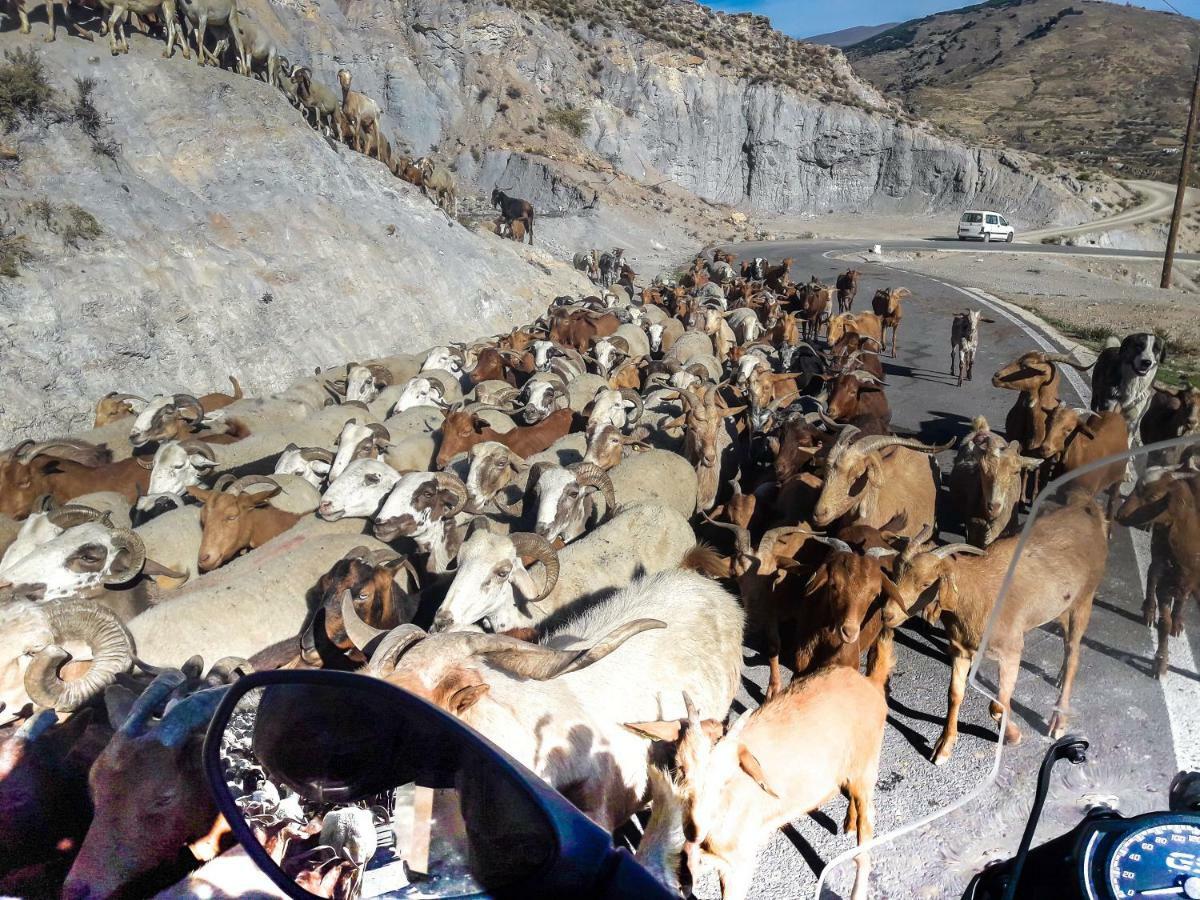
(460, 78)
(233, 239)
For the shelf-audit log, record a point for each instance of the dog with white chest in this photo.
(1123, 378)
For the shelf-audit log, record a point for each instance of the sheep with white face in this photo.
(80, 558)
(492, 586)
(358, 441)
(177, 466)
(420, 390)
(313, 464)
(359, 492)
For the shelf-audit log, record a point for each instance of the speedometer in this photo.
(1157, 861)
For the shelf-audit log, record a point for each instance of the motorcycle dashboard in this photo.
(1153, 855)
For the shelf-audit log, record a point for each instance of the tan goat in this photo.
(362, 115)
(896, 482)
(1061, 566)
(774, 765)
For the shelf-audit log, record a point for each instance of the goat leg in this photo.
(1150, 604)
(1162, 654)
(960, 667)
(1077, 623)
(1177, 613)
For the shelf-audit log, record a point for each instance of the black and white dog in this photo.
(1123, 378)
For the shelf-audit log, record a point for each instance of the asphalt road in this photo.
(1117, 703)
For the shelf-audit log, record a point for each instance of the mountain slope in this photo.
(849, 36)
(1099, 83)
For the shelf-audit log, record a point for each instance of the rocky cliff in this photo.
(720, 104)
(221, 235)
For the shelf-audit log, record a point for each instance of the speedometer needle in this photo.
(1162, 892)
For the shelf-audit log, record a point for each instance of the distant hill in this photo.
(1091, 82)
(849, 36)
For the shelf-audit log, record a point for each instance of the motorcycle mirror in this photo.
(341, 785)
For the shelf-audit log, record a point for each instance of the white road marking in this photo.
(1181, 684)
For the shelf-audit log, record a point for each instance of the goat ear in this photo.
(478, 424)
(198, 493)
(464, 698)
(751, 767)
(667, 730)
(773, 444)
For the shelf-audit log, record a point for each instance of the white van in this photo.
(984, 225)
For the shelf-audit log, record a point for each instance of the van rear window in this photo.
(974, 218)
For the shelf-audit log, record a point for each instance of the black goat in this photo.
(514, 209)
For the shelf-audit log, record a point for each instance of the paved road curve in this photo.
(924, 398)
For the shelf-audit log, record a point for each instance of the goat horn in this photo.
(741, 535)
(246, 481)
(189, 715)
(913, 545)
(528, 544)
(1065, 358)
(766, 544)
(639, 406)
(943, 552)
(316, 454)
(223, 482)
(81, 452)
(225, 669)
(70, 514)
(591, 475)
(543, 663)
(875, 442)
(113, 395)
(183, 402)
(360, 633)
(200, 448)
(380, 431)
(839, 545)
(502, 504)
(102, 631)
(450, 482)
(693, 715)
(163, 685)
(391, 648)
(126, 540)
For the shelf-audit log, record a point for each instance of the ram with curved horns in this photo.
(64, 469)
(422, 506)
(633, 654)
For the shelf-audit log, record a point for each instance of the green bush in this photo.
(24, 90)
(571, 120)
(14, 251)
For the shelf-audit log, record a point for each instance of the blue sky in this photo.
(801, 18)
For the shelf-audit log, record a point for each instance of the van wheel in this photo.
(1009, 239)
(986, 237)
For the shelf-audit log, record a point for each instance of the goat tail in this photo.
(979, 423)
(237, 388)
(881, 658)
(705, 560)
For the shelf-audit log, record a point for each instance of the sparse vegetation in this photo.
(73, 224)
(90, 121)
(571, 120)
(14, 252)
(24, 90)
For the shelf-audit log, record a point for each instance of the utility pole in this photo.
(1185, 165)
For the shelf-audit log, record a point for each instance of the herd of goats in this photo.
(512, 528)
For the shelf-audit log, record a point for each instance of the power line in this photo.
(1173, 6)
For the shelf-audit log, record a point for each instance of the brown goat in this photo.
(1057, 577)
(382, 596)
(490, 366)
(814, 309)
(577, 330)
(858, 393)
(768, 770)
(64, 469)
(847, 289)
(150, 796)
(463, 430)
(777, 276)
(986, 482)
(1168, 502)
(1035, 377)
(233, 522)
(871, 479)
(868, 325)
(1076, 438)
(886, 305)
(1173, 412)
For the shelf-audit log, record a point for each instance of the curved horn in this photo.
(836, 544)
(124, 539)
(200, 448)
(527, 544)
(360, 633)
(392, 647)
(380, 432)
(316, 454)
(1065, 359)
(240, 485)
(639, 406)
(543, 663)
(70, 514)
(913, 546)
(186, 402)
(164, 684)
(450, 482)
(741, 535)
(591, 475)
(102, 631)
(943, 552)
(90, 455)
(766, 544)
(227, 669)
(874, 442)
(189, 715)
